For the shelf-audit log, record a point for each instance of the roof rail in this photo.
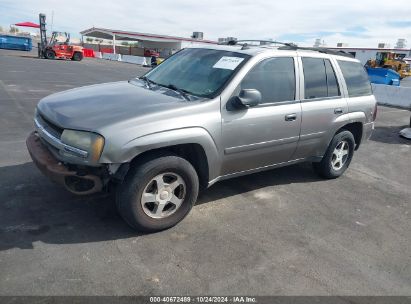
(285, 46)
(317, 49)
(245, 43)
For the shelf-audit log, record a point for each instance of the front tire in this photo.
(157, 194)
(50, 54)
(337, 157)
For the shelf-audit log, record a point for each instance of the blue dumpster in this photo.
(383, 76)
(15, 43)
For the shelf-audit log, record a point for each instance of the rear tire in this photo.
(77, 56)
(337, 157)
(50, 54)
(135, 194)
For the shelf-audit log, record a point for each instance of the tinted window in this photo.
(356, 78)
(315, 79)
(274, 78)
(319, 78)
(332, 85)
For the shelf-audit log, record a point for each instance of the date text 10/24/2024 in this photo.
(205, 299)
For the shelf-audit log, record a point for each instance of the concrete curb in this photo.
(123, 58)
(134, 59)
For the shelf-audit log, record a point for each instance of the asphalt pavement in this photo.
(281, 232)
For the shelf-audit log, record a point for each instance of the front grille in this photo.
(49, 126)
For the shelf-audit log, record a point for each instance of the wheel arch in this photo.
(192, 152)
(193, 144)
(356, 128)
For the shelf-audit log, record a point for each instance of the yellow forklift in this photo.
(390, 60)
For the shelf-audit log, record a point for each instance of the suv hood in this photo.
(92, 107)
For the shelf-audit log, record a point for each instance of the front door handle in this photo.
(338, 111)
(290, 117)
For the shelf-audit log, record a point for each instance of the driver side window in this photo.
(274, 78)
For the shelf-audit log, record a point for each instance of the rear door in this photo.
(323, 105)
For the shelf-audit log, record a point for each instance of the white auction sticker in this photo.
(228, 63)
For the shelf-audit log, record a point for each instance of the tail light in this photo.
(374, 113)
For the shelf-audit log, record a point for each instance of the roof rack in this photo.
(317, 49)
(245, 43)
(285, 46)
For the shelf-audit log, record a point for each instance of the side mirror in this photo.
(246, 99)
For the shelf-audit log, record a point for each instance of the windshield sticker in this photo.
(228, 63)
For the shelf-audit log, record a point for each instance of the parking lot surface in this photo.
(281, 232)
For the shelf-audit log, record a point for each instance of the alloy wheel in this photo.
(163, 195)
(340, 155)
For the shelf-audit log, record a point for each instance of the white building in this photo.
(156, 42)
(364, 54)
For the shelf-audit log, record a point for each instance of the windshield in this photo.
(200, 72)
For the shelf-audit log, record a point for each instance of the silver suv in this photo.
(205, 114)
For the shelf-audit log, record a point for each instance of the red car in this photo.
(150, 53)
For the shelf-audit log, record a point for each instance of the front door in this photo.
(268, 133)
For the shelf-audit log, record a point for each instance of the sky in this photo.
(360, 23)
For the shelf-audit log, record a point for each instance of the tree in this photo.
(125, 43)
(89, 40)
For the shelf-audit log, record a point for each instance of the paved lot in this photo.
(283, 232)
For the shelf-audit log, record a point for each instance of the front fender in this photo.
(191, 135)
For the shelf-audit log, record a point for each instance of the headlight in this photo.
(87, 141)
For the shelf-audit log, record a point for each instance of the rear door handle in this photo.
(290, 117)
(338, 111)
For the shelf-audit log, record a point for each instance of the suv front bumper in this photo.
(59, 173)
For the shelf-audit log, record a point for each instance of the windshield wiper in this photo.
(147, 81)
(181, 91)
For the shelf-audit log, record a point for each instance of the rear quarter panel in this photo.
(360, 108)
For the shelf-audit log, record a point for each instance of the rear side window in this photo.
(319, 78)
(274, 78)
(356, 78)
